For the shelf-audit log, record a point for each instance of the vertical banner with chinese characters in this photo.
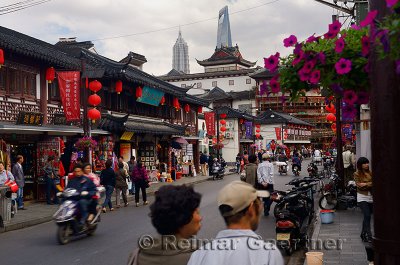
(210, 122)
(69, 83)
(278, 132)
(249, 129)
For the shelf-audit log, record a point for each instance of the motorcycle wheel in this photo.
(91, 230)
(328, 202)
(63, 233)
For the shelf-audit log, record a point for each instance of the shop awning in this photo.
(50, 129)
(297, 142)
(246, 141)
(157, 128)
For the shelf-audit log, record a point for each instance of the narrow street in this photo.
(118, 233)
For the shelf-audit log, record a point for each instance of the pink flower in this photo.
(275, 86)
(303, 75)
(369, 18)
(290, 41)
(339, 45)
(271, 63)
(321, 57)
(365, 45)
(349, 112)
(335, 27)
(355, 27)
(330, 35)
(391, 3)
(298, 49)
(263, 88)
(363, 97)
(312, 38)
(315, 76)
(343, 66)
(350, 97)
(308, 66)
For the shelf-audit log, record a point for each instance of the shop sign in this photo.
(278, 133)
(127, 136)
(150, 96)
(30, 118)
(69, 83)
(249, 129)
(125, 151)
(210, 122)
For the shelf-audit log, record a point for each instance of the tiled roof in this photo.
(226, 55)
(273, 117)
(215, 94)
(172, 76)
(262, 74)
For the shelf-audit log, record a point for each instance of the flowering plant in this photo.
(218, 146)
(85, 142)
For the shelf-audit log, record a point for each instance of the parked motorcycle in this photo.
(333, 196)
(312, 170)
(68, 215)
(218, 170)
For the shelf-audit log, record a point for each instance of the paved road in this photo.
(116, 236)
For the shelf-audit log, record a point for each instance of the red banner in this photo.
(285, 134)
(210, 122)
(278, 134)
(69, 84)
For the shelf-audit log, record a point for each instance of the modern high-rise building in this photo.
(180, 59)
(224, 38)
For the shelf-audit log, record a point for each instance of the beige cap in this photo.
(265, 156)
(239, 195)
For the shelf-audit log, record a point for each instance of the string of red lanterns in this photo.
(94, 100)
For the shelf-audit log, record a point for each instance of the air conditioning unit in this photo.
(229, 135)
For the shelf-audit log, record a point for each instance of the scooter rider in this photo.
(282, 158)
(296, 161)
(85, 187)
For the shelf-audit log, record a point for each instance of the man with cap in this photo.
(240, 205)
(265, 177)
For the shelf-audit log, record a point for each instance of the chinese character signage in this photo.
(69, 83)
(151, 96)
(210, 122)
(30, 118)
(278, 134)
(249, 129)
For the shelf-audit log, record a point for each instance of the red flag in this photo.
(278, 133)
(69, 84)
(210, 122)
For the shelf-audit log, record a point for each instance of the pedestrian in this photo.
(265, 178)
(88, 172)
(140, 179)
(120, 185)
(50, 176)
(174, 164)
(5, 175)
(238, 244)
(348, 164)
(363, 179)
(203, 163)
(259, 156)
(126, 166)
(132, 164)
(210, 164)
(245, 158)
(237, 163)
(176, 217)
(18, 173)
(251, 171)
(107, 179)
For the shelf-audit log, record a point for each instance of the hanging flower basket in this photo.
(85, 142)
(218, 146)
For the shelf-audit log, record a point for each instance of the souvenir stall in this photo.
(103, 151)
(146, 153)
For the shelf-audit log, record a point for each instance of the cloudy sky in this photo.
(258, 26)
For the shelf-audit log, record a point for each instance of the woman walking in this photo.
(121, 185)
(107, 179)
(140, 178)
(363, 178)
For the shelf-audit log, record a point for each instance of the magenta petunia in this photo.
(337, 89)
(363, 97)
(315, 76)
(343, 66)
(350, 97)
(365, 45)
(290, 41)
(308, 66)
(349, 111)
(263, 88)
(391, 3)
(275, 86)
(335, 27)
(312, 38)
(355, 27)
(298, 49)
(369, 18)
(339, 45)
(330, 35)
(304, 76)
(271, 63)
(321, 57)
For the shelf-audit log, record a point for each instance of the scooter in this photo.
(296, 170)
(67, 216)
(282, 167)
(312, 170)
(218, 170)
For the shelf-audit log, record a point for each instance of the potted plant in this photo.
(85, 142)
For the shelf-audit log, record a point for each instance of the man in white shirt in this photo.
(265, 177)
(240, 206)
(348, 164)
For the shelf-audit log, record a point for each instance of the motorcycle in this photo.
(67, 216)
(296, 170)
(312, 170)
(218, 170)
(334, 198)
(282, 167)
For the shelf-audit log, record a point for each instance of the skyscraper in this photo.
(180, 59)
(224, 38)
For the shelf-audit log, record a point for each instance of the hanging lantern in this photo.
(118, 86)
(50, 74)
(94, 114)
(258, 125)
(258, 130)
(1, 57)
(330, 108)
(258, 135)
(95, 86)
(176, 104)
(223, 129)
(200, 109)
(222, 116)
(187, 108)
(331, 117)
(333, 126)
(162, 101)
(223, 122)
(139, 92)
(94, 100)
(241, 121)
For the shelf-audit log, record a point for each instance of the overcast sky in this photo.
(259, 31)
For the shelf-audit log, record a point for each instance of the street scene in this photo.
(211, 132)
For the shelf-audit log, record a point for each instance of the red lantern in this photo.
(200, 109)
(94, 100)
(1, 57)
(258, 131)
(223, 129)
(331, 117)
(333, 126)
(139, 92)
(258, 125)
(330, 108)
(176, 104)
(223, 122)
(258, 135)
(241, 121)
(222, 116)
(94, 114)
(95, 86)
(118, 86)
(187, 108)
(50, 74)
(162, 101)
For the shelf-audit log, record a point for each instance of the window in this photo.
(231, 82)
(199, 85)
(248, 80)
(18, 82)
(214, 83)
(183, 85)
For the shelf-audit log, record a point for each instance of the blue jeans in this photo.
(268, 201)
(50, 188)
(20, 198)
(83, 208)
(109, 192)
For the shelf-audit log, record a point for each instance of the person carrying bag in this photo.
(141, 180)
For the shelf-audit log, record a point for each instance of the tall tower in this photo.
(180, 59)
(224, 38)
